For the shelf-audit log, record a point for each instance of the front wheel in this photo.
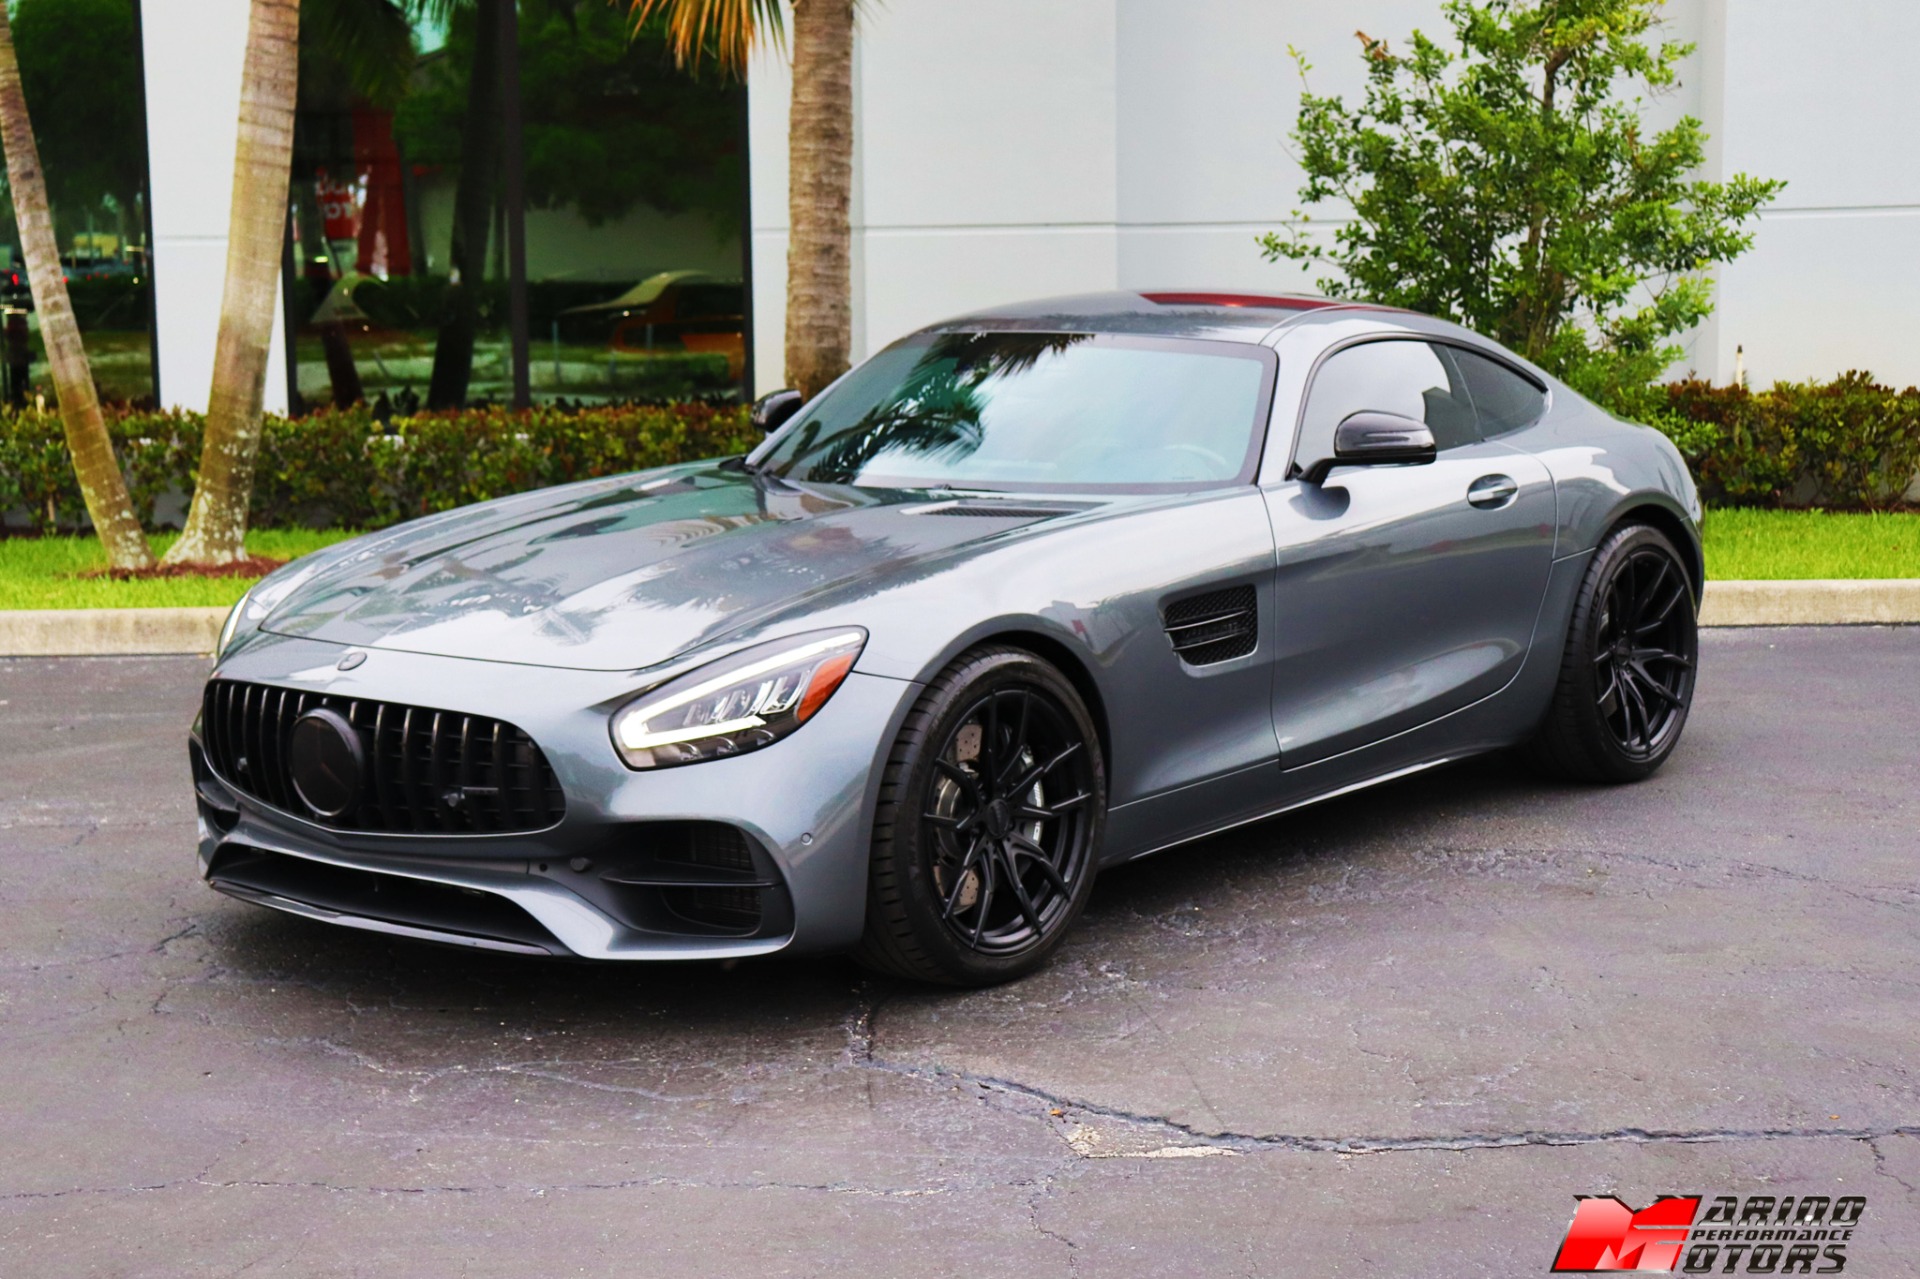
(988, 829)
(1626, 679)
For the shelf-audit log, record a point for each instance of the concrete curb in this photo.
(127, 632)
(108, 632)
(1812, 603)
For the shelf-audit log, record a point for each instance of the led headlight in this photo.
(740, 703)
(231, 627)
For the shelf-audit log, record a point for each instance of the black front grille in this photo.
(1215, 627)
(729, 910)
(428, 771)
(366, 894)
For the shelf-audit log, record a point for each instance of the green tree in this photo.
(1513, 185)
(609, 122)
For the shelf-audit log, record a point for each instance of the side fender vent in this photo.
(1216, 627)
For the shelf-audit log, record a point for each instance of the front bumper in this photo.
(591, 886)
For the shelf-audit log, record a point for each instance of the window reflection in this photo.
(1036, 410)
(80, 72)
(635, 187)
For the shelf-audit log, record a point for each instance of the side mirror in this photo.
(774, 408)
(1376, 439)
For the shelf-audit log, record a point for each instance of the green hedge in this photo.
(343, 469)
(1849, 444)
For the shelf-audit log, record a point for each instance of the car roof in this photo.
(1222, 316)
(1219, 314)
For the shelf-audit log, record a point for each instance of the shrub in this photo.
(344, 469)
(1847, 444)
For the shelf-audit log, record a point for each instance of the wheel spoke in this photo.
(1631, 695)
(987, 878)
(1615, 615)
(1038, 771)
(950, 822)
(1020, 895)
(1018, 740)
(1613, 686)
(960, 776)
(1661, 655)
(1644, 596)
(1665, 611)
(989, 763)
(1021, 844)
(960, 880)
(1648, 684)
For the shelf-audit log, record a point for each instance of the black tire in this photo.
(988, 830)
(1627, 676)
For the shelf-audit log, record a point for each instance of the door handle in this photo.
(1491, 492)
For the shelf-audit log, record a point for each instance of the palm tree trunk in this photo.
(216, 531)
(94, 464)
(472, 214)
(820, 195)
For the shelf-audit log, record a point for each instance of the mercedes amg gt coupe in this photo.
(1027, 594)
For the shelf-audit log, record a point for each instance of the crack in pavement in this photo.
(1880, 1165)
(1059, 1107)
(1041, 1192)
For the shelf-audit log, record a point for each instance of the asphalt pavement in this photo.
(1396, 1034)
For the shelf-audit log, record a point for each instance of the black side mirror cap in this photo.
(1376, 439)
(772, 410)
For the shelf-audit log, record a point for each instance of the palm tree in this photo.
(820, 157)
(217, 522)
(94, 465)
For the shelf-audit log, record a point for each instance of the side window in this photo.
(1503, 400)
(1397, 375)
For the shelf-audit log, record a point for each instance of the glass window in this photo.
(80, 72)
(1410, 378)
(635, 186)
(1503, 400)
(1036, 411)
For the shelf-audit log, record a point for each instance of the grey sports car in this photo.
(1027, 594)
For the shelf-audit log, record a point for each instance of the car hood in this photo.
(624, 573)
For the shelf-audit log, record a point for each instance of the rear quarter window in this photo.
(1503, 400)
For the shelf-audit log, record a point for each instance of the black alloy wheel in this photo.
(1626, 683)
(991, 811)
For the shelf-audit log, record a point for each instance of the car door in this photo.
(1401, 592)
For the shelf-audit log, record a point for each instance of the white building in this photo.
(1017, 148)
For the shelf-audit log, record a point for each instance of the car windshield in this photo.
(1058, 411)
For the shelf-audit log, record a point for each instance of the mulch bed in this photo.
(253, 566)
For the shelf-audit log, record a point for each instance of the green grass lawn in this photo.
(45, 572)
(1773, 545)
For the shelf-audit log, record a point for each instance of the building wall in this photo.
(1007, 149)
(1010, 149)
(1824, 96)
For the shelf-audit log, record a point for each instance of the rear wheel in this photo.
(989, 824)
(1626, 680)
